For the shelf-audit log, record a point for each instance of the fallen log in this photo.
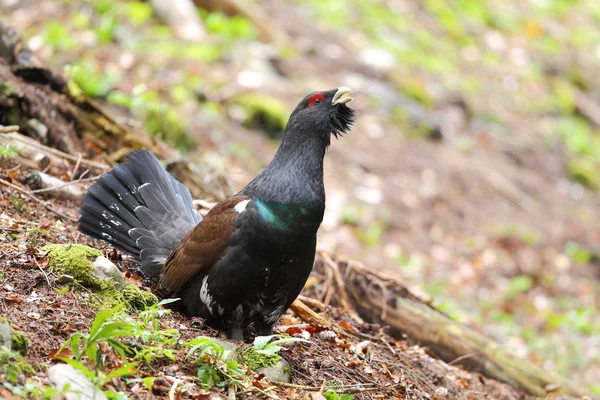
(40, 103)
(388, 302)
(31, 154)
(49, 186)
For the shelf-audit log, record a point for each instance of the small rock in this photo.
(315, 396)
(64, 279)
(230, 348)
(34, 315)
(278, 372)
(377, 58)
(5, 334)
(80, 387)
(104, 269)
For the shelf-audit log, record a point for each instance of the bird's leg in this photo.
(262, 328)
(235, 330)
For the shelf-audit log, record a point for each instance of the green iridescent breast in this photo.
(290, 216)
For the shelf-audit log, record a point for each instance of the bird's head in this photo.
(323, 114)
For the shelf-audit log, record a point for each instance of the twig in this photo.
(43, 272)
(50, 189)
(343, 296)
(497, 181)
(464, 356)
(383, 288)
(76, 167)
(307, 314)
(349, 389)
(314, 303)
(382, 340)
(26, 141)
(9, 128)
(204, 204)
(328, 288)
(296, 386)
(31, 196)
(176, 383)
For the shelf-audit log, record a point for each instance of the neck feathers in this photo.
(295, 174)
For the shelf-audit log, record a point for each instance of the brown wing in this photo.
(202, 246)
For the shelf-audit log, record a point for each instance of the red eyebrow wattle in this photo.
(314, 97)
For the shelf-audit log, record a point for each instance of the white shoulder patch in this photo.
(205, 297)
(241, 206)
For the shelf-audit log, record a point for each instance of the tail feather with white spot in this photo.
(140, 209)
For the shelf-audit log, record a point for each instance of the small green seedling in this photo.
(263, 344)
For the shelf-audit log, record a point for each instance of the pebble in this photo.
(80, 387)
(5, 334)
(104, 269)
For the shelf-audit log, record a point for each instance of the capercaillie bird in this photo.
(247, 260)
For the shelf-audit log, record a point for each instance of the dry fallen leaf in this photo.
(57, 355)
(294, 330)
(345, 325)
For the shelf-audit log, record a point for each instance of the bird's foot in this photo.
(236, 332)
(263, 329)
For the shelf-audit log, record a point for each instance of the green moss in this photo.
(7, 89)
(12, 363)
(263, 112)
(23, 365)
(106, 298)
(137, 298)
(19, 343)
(166, 123)
(255, 360)
(584, 171)
(75, 260)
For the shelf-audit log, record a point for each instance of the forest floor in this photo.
(487, 220)
(365, 361)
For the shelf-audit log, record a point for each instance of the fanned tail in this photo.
(140, 209)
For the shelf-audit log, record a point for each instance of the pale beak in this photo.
(340, 96)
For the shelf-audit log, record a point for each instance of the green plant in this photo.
(264, 352)
(9, 368)
(33, 390)
(91, 80)
(109, 328)
(157, 343)
(8, 151)
(16, 201)
(518, 284)
(105, 329)
(217, 369)
(331, 394)
(578, 253)
(264, 345)
(58, 37)
(160, 119)
(228, 28)
(214, 367)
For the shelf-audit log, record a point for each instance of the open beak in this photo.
(340, 96)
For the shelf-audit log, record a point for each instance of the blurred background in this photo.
(473, 170)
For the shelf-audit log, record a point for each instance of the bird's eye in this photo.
(315, 99)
